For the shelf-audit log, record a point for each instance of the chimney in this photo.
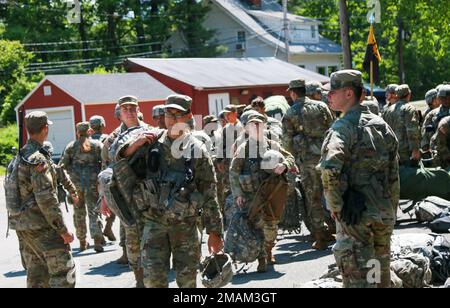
(255, 4)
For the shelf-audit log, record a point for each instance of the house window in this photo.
(331, 70)
(302, 66)
(313, 32)
(241, 36)
(47, 91)
(322, 70)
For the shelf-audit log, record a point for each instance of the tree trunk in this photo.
(345, 34)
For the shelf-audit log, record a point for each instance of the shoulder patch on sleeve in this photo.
(41, 167)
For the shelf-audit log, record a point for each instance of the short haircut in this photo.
(35, 130)
(301, 92)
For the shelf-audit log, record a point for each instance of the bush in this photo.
(8, 141)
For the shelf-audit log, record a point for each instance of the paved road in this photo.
(297, 263)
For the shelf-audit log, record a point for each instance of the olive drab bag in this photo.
(270, 198)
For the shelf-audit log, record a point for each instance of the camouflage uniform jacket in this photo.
(65, 180)
(100, 137)
(230, 134)
(38, 180)
(83, 168)
(304, 128)
(404, 121)
(361, 152)
(184, 185)
(432, 122)
(246, 174)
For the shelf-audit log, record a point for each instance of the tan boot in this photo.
(98, 245)
(320, 243)
(270, 257)
(83, 245)
(108, 230)
(139, 276)
(262, 265)
(124, 258)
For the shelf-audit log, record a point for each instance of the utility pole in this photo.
(401, 64)
(345, 33)
(286, 30)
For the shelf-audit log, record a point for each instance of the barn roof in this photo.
(228, 72)
(107, 88)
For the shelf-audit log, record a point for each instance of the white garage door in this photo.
(218, 102)
(62, 131)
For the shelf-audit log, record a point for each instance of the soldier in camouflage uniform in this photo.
(98, 124)
(371, 103)
(360, 177)
(81, 159)
(247, 172)
(314, 90)
(274, 128)
(304, 129)
(40, 227)
(177, 188)
(129, 107)
(158, 116)
(391, 97)
(438, 143)
(62, 176)
(404, 121)
(229, 134)
(432, 101)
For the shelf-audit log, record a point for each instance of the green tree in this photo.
(13, 62)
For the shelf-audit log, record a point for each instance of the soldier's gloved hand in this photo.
(67, 237)
(215, 243)
(240, 201)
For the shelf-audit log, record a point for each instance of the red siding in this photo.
(59, 98)
(107, 111)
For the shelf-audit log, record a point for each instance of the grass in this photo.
(8, 140)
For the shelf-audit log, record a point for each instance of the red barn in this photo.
(214, 83)
(69, 99)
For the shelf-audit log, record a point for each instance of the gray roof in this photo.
(107, 88)
(279, 14)
(228, 72)
(240, 12)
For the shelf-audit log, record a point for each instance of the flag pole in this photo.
(371, 62)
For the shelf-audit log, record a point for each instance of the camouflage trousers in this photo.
(133, 238)
(223, 188)
(87, 206)
(270, 231)
(313, 189)
(163, 239)
(362, 253)
(48, 260)
(123, 236)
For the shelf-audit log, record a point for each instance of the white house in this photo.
(254, 28)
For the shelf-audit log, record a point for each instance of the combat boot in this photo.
(108, 230)
(262, 265)
(98, 245)
(270, 257)
(124, 258)
(83, 245)
(320, 243)
(139, 276)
